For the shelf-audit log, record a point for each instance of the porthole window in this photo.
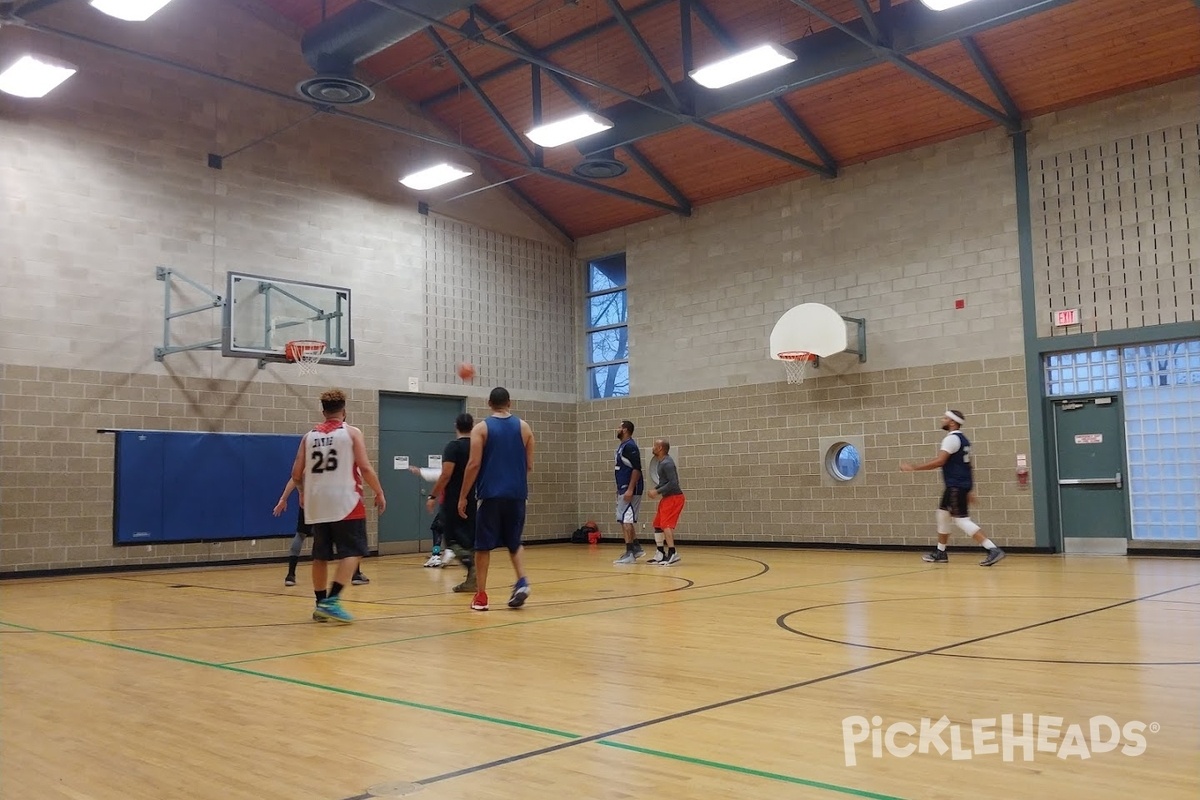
(843, 461)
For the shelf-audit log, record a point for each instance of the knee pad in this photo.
(967, 526)
(943, 521)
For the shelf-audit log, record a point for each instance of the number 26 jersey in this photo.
(332, 483)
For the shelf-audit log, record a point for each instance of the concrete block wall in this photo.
(752, 469)
(896, 241)
(106, 179)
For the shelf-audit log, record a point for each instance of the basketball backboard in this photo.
(263, 314)
(811, 331)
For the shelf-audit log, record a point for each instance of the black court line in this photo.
(781, 621)
(779, 690)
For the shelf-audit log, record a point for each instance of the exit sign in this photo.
(1066, 317)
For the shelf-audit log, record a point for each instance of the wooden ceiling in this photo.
(1056, 55)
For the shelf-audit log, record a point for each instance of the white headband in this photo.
(955, 417)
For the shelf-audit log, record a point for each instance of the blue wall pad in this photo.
(199, 487)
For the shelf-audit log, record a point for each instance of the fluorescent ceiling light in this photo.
(942, 5)
(742, 66)
(129, 10)
(34, 76)
(552, 134)
(435, 176)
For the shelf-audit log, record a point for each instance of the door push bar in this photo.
(1091, 481)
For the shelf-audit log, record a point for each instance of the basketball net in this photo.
(306, 354)
(798, 364)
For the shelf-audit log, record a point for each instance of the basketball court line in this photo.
(598, 737)
(462, 714)
(580, 614)
(781, 621)
(779, 690)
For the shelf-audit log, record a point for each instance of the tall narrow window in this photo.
(607, 338)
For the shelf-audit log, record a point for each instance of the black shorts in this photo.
(346, 538)
(302, 528)
(458, 533)
(954, 500)
(500, 522)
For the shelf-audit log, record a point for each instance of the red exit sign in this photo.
(1066, 317)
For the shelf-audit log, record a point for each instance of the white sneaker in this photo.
(447, 557)
(670, 561)
(435, 560)
(656, 558)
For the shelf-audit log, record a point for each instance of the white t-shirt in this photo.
(951, 444)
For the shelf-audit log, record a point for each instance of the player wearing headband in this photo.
(954, 459)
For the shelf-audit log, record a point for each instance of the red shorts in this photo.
(669, 509)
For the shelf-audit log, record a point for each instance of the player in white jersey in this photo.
(331, 464)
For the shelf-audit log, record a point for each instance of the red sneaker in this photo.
(480, 603)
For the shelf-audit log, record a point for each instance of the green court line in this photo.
(758, 773)
(572, 616)
(846, 790)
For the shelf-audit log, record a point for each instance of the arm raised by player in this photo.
(363, 462)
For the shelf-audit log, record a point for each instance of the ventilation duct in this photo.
(334, 46)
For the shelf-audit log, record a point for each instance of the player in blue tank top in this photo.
(498, 469)
(954, 459)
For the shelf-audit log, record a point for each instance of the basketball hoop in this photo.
(307, 353)
(798, 364)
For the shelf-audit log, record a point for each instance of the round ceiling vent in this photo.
(600, 168)
(335, 90)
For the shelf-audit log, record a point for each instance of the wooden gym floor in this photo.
(731, 675)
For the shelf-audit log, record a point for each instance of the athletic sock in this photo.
(941, 547)
(321, 594)
(988, 544)
(292, 562)
(336, 589)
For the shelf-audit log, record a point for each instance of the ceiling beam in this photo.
(729, 43)
(548, 50)
(822, 56)
(912, 68)
(647, 54)
(580, 100)
(641, 100)
(480, 95)
(337, 112)
(868, 18)
(989, 75)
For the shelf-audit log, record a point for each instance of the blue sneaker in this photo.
(519, 593)
(331, 608)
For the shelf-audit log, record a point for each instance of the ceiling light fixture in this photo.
(553, 134)
(435, 176)
(34, 76)
(763, 58)
(129, 10)
(942, 5)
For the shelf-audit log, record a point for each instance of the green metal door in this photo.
(412, 428)
(1090, 451)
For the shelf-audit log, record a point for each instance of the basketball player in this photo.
(629, 491)
(303, 531)
(666, 519)
(501, 460)
(459, 533)
(331, 465)
(954, 459)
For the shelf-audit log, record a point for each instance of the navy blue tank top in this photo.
(503, 471)
(956, 472)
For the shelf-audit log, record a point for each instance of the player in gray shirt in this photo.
(669, 507)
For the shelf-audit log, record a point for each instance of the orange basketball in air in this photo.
(466, 371)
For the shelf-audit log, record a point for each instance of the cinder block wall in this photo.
(106, 179)
(897, 242)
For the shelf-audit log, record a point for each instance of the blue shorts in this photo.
(499, 522)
